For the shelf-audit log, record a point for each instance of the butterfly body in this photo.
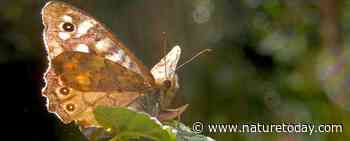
(89, 67)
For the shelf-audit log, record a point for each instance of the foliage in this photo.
(125, 124)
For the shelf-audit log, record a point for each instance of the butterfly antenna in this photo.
(194, 57)
(165, 48)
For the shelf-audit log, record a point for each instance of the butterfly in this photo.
(89, 67)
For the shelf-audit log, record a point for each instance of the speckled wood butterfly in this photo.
(89, 66)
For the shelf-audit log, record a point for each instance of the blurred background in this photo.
(273, 61)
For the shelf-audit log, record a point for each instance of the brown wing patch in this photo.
(86, 72)
(74, 105)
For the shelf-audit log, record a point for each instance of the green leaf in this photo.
(126, 124)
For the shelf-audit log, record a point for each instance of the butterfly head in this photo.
(164, 71)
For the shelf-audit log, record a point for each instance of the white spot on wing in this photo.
(67, 18)
(126, 62)
(55, 50)
(84, 27)
(64, 35)
(82, 48)
(104, 45)
(115, 57)
(121, 58)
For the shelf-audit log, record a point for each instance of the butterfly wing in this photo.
(70, 29)
(88, 66)
(165, 68)
(70, 104)
(86, 72)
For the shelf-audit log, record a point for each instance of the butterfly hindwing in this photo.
(70, 104)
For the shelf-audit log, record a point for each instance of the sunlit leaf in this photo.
(126, 124)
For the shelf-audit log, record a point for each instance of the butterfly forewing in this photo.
(70, 29)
